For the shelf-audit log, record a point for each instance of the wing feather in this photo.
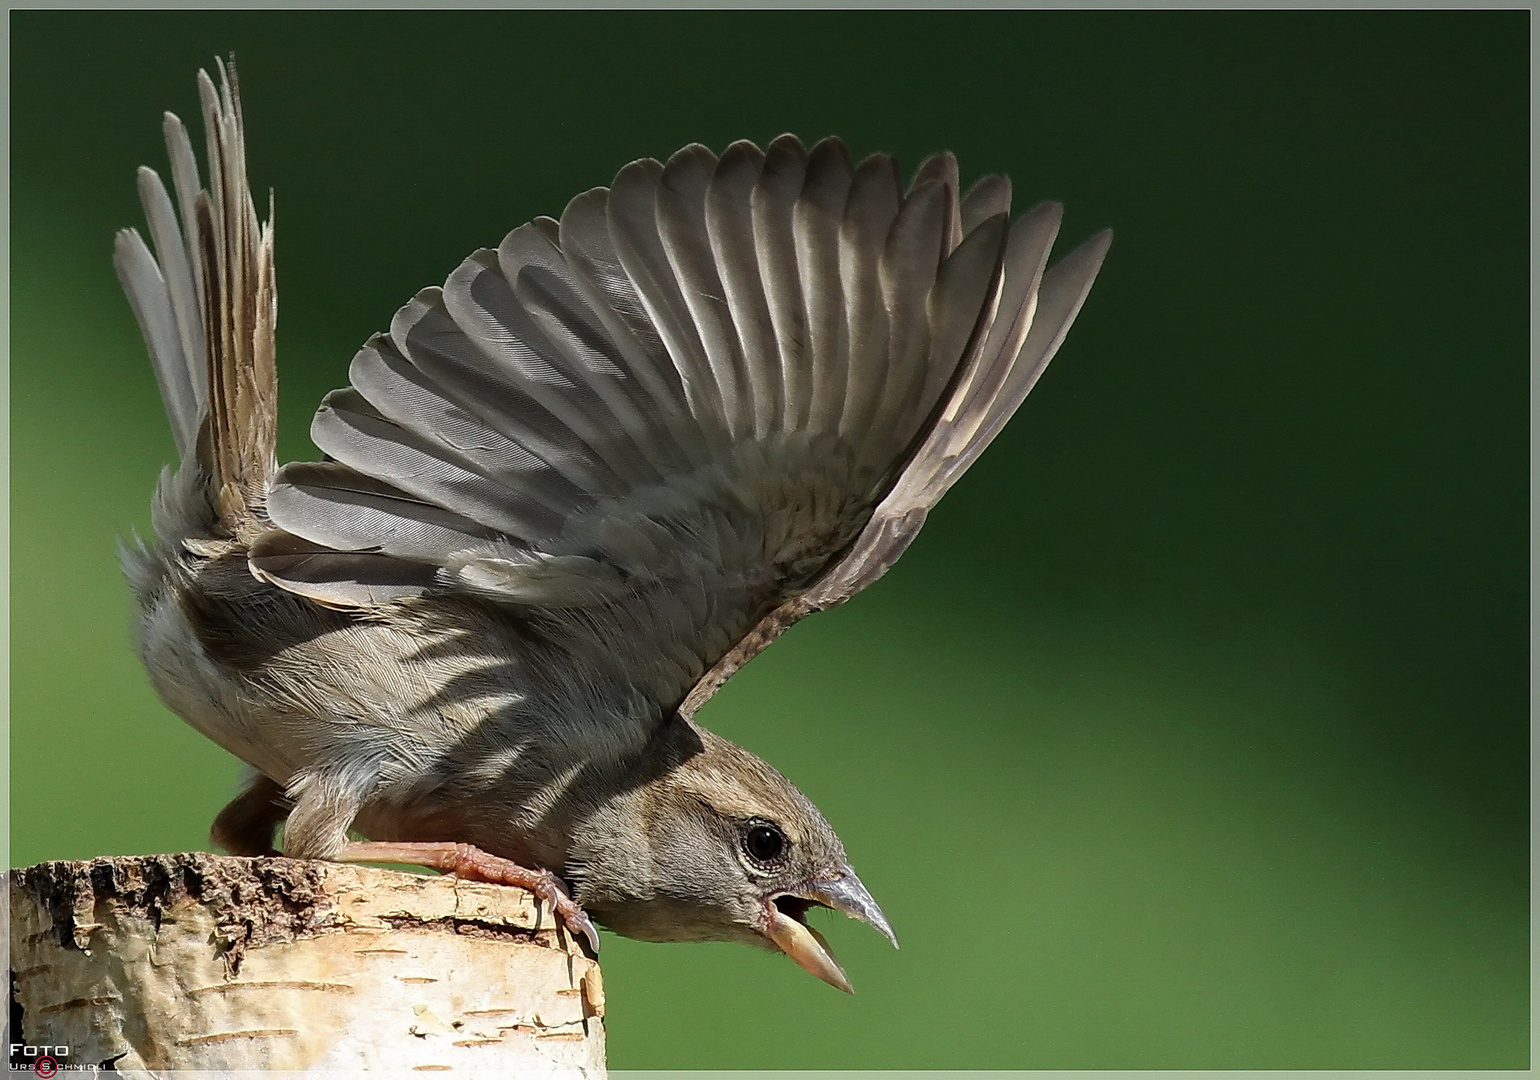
(942, 169)
(773, 205)
(681, 218)
(816, 221)
(911, 258)
(633, 226)
(621, 318)
(730, 227)
(962, 303)
(1026, 252)
(870, 211)
(343, 579)
(1063, 292)
(990, 196)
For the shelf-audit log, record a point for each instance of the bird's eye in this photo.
(764, 842)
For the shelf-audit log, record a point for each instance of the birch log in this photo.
(217, 963)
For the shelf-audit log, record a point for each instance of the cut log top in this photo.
(195, 961)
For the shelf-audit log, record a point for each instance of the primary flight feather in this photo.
(564, 498)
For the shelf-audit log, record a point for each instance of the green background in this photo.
(1193, 731)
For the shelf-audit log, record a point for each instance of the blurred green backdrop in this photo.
(1191, 734)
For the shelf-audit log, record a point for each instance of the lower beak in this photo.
(807, 946)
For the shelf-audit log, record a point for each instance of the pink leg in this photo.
(473, 864)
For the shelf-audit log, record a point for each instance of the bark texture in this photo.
(218, 963)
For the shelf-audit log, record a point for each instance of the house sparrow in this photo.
(564, 498)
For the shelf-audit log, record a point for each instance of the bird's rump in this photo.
(712, 397)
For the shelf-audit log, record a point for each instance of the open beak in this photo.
(787, 923)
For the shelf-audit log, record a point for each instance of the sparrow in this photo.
(563, 499)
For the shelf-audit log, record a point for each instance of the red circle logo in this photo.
(46, 1067)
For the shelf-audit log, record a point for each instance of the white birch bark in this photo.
(214, 963)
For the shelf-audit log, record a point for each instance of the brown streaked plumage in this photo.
(565, 497)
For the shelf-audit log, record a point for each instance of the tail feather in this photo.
(207, 304)
(148, 294)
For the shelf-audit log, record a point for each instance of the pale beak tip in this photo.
(882, 927)
(847, 894)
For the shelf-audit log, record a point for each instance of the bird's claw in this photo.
(578, 922)
(471, 862)
(553, 892)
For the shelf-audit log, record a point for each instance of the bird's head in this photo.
(721, 847)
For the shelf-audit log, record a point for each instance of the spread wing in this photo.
(716, 396)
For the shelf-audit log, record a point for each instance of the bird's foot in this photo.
(471, 863)
(245, 827)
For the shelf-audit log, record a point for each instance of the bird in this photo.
(563, 498)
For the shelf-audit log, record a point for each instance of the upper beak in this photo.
(807, 946)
